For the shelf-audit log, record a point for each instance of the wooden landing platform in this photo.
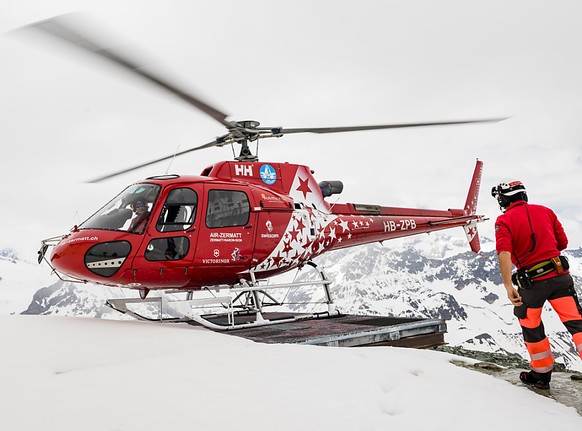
(350, 331)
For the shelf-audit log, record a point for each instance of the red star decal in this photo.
(300, 224)
(294, 234)
(286, 247)
(277, 259)
(304, 187)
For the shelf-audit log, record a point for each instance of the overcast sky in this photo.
(67, 118)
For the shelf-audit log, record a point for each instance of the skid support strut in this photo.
(242, 306)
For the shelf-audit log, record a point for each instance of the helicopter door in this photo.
(167, 252)
(226, 242)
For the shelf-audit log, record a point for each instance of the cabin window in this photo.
(173, 248)
(129, 211)
(179, 211)
(227, 208)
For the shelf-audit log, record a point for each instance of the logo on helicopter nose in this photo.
(268, 174)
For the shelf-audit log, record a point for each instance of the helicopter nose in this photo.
(102, 259)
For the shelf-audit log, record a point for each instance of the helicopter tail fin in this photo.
(471, 208)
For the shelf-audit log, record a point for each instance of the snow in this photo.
(70, 373)
(19, 281)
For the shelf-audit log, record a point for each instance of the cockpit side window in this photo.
(129, 211)
(227, 208)
(179, 211)
(169, 248)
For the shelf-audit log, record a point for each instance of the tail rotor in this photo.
(471, 208)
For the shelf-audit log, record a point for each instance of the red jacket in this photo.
(138, 223)
(513, 233)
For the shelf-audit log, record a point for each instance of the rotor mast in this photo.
(247, 130)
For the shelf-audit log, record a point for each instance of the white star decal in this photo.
(345, 226)
(332, 233)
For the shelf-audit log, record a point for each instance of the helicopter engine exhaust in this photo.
(329, 188)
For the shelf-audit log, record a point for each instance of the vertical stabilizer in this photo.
(471, 208)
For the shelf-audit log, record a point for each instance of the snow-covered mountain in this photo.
(30, 288)
(429, 276)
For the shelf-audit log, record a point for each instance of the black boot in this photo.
(537, 380)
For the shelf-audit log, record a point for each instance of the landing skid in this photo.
(237, 307)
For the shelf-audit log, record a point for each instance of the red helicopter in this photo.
(237, 223)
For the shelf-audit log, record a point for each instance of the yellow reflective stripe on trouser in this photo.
(542, 360)
(542, 355)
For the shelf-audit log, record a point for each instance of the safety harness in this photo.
(558, 264)
(524, 277)
(545, 267)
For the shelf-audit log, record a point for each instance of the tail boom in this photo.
(372, 223)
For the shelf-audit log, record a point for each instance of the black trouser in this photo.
(560, 292)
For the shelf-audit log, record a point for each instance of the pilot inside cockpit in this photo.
(139, 221)
(128, 212)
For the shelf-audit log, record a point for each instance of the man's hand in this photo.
(505, 267)
(513, 296)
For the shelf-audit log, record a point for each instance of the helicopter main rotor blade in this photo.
(60, 28)
(216, 142)
(284, 131)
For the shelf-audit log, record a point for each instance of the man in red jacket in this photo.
(531, 238)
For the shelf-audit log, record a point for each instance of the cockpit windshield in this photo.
(129, 211)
